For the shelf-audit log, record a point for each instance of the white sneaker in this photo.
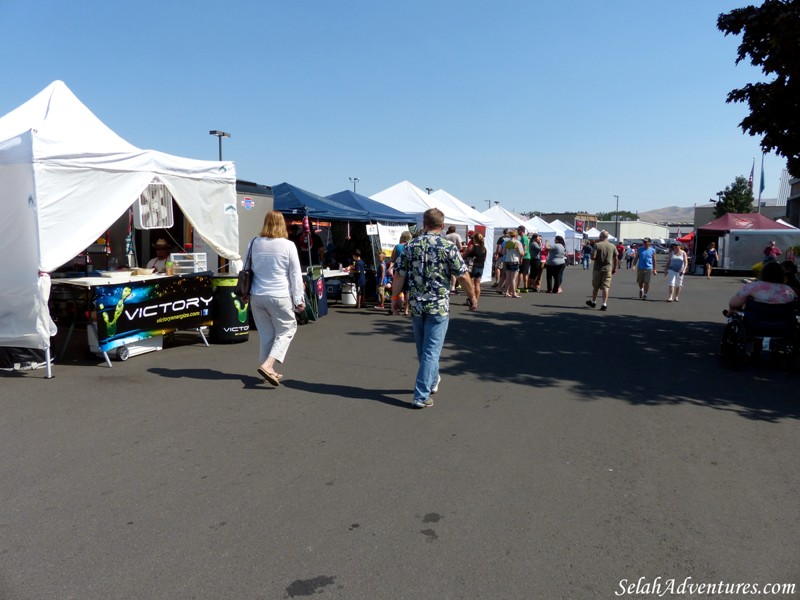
(435, 387)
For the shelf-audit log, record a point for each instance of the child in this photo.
(382, 275)
(359, 273)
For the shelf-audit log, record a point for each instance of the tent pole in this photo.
(49, 374)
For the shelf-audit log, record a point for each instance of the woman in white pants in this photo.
(677, 261)
(276, 293)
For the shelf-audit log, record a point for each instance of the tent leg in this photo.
(49, 368)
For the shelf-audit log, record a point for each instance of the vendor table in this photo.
(127, 310)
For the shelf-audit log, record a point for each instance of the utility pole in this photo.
(616, 219)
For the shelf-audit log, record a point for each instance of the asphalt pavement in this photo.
(570, 452)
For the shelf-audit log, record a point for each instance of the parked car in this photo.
(660, 248)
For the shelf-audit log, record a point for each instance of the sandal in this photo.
(272, 378)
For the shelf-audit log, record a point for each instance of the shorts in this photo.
(525, 266)
(514, 267)
(477, 272)
(675, 279)
(499, 264)
(601, 280)
(643, 275)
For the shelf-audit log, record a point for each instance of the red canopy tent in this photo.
(686, 238)
(730, 221)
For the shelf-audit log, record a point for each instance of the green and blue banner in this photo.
(137, 310)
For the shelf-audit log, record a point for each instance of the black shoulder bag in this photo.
(245, 278)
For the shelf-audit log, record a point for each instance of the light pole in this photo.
(489, 202)
(220, 135)
(429, 190)
(616, 220)
(354, 181)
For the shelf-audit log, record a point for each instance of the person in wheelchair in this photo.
(770, 289)
(761, 309)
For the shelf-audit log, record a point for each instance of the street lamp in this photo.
(429, 190)
(616, 219)
(220, 135)
(354, 181)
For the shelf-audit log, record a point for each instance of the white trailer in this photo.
(740, 249)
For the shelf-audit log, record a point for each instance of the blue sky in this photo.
(540, 105)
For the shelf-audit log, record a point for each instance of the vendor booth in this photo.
(741, 238)
(388, 222)
(309, 208)
(66, 178)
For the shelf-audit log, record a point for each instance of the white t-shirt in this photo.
(159, 264)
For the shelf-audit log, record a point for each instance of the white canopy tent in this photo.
(542, 227)
(66, 178)
(594, 234)
(407, 197)
(572, 239)
(503, 219)
(442, 198)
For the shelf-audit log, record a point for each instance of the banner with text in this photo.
(137, 310)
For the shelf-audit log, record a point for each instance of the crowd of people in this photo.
(425, 271)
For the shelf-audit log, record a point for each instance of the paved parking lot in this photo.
(568, 450)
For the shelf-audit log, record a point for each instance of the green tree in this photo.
(770, 38)
(624, 215)
(737, 198)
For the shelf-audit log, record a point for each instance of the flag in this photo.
(752, 170)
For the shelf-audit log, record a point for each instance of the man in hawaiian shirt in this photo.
(428, 261)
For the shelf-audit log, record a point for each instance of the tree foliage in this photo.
(771, 39)
(737, 198)
(624, 215)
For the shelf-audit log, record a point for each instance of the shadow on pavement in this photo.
(248, 382)
(644, 361)
(346, 391)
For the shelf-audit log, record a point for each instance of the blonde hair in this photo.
(405, 237)
(274, 225)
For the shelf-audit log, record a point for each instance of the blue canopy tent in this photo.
(293, 200)
(377, 211)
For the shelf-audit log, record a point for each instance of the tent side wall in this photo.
(21, 295)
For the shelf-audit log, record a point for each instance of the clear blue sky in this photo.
(541, 105)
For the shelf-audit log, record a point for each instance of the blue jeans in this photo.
(429, 332)
(586, 258)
